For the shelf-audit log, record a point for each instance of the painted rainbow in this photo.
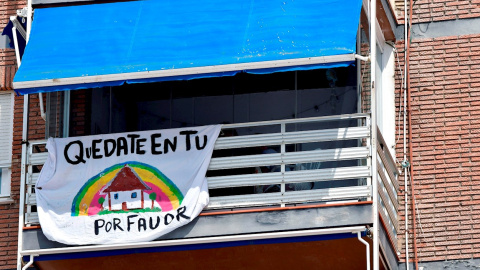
(168, 196)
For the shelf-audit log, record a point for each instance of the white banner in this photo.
(126, 187)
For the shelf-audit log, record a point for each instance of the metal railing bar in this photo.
(342, 173)
(388, 207)
(389, 188)
(298, 120)
(350, 133)
(317, 195)
(289, 158)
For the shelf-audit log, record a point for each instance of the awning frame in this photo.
(189, 71)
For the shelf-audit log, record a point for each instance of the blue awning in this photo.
(147, 41)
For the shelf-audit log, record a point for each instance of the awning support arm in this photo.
(14, 20)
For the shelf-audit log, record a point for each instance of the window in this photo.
(237, 99)
(134, 195)
(115, 196)
(6, 138)
(385, 81)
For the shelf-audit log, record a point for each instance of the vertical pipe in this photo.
(21, 214)
(282, 166)
(410, 150)
(24, 151)
(373, 109)
(405, 175)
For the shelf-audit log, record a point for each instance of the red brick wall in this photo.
(8, 64)
(9, 212)
(445, 90)
(440, 10)
(8, 67)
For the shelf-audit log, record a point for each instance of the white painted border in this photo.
(185, 71)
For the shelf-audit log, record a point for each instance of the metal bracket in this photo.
(22, 12)
(363, 58)
(405, 164)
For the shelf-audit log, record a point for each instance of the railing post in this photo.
(373, 109)
(21, 214)
(282, 166)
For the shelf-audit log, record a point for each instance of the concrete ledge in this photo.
(245, 223)
(446, 265)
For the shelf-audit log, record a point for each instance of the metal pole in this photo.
(373, 61)
(405, 175)
(21, 214)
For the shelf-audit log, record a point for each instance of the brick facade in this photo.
(9, 212)
(425, 11)
(445, 121)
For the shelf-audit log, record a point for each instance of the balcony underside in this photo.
(307, 253)
(310, 217)
(280, 252)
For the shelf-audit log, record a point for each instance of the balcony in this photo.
(282, 179)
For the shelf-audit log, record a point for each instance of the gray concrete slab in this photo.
(245, 223)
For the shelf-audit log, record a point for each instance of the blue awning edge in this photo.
(126, 42)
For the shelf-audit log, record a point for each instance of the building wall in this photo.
(439, 10)
(445, 90)
(9, 211)
(445, 109)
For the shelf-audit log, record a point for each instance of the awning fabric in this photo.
(147, 41)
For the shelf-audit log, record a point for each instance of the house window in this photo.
(134, 195)
(115, 196)
(6, 138)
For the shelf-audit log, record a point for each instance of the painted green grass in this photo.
(146, 210)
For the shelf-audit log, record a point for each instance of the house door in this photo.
(124, 206)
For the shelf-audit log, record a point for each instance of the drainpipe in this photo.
(404, 164)
(29, 262)
(359, 236)
(410, 150)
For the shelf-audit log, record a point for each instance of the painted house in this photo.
(125, 191)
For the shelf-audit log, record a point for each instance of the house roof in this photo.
(126, 180)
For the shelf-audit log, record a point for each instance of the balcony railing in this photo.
(281, 163)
